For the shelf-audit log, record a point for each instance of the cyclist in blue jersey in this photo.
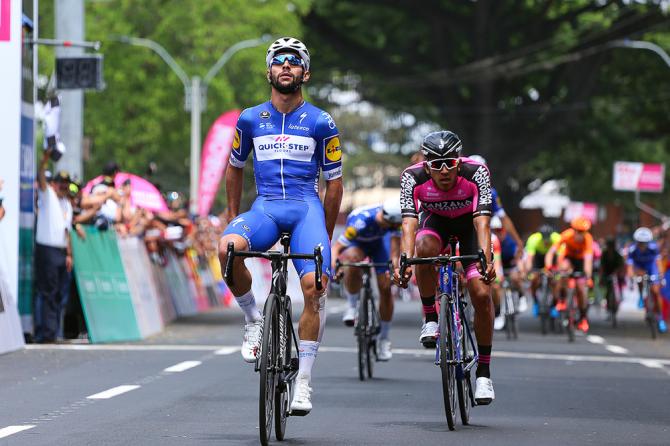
(293, 142)
(645, 258)
(365, 235)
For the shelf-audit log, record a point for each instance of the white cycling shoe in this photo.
(429, 334)
(349, 316)
(251, 344)
(302, 396)
(499, 322)
(384, 353)
(523, 304)
(484, 393)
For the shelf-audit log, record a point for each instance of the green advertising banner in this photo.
(103, 287)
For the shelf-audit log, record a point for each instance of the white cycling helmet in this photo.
(496, 222)
(391, 211)
(478, 159)
(287, 44)
(643, 235)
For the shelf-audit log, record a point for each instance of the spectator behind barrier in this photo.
(53, 251)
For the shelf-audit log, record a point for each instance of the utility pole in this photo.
(70, 26)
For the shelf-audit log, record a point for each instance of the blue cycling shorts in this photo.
(650, 269)
(304, 219)
(377, 250)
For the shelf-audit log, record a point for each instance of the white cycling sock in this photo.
(247, 303)
(352, 298)
(307, 354)
(385, 327)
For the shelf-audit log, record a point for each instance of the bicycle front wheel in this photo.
(288, 361)
(464, 379)
(362, 335)
(446, 349)
(268, 361)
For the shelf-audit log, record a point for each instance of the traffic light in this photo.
(82, 72)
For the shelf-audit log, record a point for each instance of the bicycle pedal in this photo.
(298, 413)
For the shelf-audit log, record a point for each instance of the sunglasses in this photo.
(292, 59)
(441, 163)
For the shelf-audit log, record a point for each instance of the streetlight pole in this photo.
(195, 96)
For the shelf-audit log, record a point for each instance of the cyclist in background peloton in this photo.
(645, 258)
(537, 246)
(366, 235)
(575, 254)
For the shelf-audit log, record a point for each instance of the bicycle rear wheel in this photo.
(464, 383)
(268, 361)
(612, 305)
(288, 361)
(446, 349)
(650, 315)
(372, 331)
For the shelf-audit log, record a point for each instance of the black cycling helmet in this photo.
(546, 231)
(441, 144)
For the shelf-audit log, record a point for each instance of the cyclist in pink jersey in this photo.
(449, 196)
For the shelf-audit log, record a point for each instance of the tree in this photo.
(520, 82)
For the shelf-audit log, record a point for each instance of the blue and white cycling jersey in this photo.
(290, 149)
(644, 259)
(363, 231)
(362, 227)
(290, 152)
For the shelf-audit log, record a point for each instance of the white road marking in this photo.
(111, 393)
(651, 364)
(11, 430)
(182, 366)
(595, 339)
(227, 350)
(616, 349)
(516, 355)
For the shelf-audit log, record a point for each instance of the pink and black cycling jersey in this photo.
(471, 195)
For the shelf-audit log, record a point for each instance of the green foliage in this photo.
(530, 85)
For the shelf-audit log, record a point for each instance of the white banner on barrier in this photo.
(142, 288)
(11, 334)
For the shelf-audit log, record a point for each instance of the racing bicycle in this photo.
(277, 360)
(456, 351)
(367, 326)
(644, 283)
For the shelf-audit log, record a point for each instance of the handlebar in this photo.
(441, 260)
(317, 257)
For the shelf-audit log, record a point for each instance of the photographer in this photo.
(53, 251)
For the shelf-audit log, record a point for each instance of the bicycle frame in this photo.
(449, 286)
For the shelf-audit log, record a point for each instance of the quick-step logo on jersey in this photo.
(292, 147)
